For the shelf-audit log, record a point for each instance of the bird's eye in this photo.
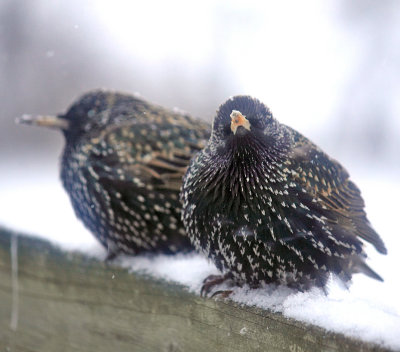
(227, 130)
(256, 123)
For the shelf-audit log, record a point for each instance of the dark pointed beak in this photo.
(45, 121)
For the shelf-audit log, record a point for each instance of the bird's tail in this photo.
(358, 265)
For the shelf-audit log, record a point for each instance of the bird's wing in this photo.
(136, 172)
(328, 183)
(155, 157)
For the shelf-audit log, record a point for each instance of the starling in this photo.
(266, 205)
(122, 166)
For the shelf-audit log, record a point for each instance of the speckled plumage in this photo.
(122, 167)
(269, 206)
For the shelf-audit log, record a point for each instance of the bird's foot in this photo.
(112, 251)
(222, 293)
(213, 280)
(110, 257)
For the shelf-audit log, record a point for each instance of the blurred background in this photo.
(329, 69)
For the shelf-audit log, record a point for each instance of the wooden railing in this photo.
(51, 300)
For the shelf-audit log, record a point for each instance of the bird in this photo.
(268, 206)
(122, 167)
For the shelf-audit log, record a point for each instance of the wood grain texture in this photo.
(69, 302)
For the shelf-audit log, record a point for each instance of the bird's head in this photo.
(89, 113)
(245, 122)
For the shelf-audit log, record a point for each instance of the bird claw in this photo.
(212, 280)
(110, 257)
(222, 293)
(112, 251)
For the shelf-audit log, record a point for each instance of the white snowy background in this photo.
(329, 69)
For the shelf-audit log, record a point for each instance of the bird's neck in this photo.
(236, 180)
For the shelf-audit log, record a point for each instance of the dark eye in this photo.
(227, 130)
(256, 123)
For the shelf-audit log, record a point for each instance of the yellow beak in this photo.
(238, 120)
(45, 121)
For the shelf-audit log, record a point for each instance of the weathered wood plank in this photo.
(69, 302)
